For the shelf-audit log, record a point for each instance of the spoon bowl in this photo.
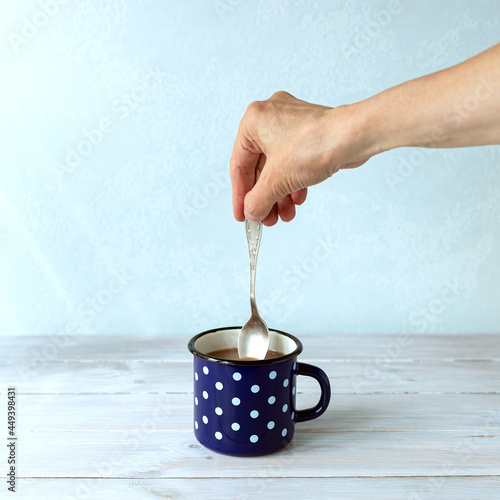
(253, 341)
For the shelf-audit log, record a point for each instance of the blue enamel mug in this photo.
(247, 408)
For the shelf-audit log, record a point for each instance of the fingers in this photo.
(272, 217)
(260, 201)
(243, 165)
(261, 204)
(299, 196)
(286, 209)
(257, 193)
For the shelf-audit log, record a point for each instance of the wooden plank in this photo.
(76, 423)
(381, 412)
(385, 488)
(154, 454)
(155, 377)
(316, 346)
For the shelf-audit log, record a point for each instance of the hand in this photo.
(283, 146)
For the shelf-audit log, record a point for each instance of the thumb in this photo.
(260, 199)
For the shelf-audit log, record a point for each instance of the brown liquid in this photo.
(232, 354)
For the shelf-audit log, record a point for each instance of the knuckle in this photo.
(280, 94)
(254, 108)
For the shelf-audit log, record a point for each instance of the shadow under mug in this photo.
(247, 408)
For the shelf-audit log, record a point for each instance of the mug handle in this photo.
(324, 399)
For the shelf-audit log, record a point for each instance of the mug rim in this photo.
(238, 362)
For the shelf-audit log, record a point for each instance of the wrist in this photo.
(356, 132)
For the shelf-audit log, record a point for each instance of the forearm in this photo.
(285, 145)
(456, 107)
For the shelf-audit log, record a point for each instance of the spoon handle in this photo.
(254, 233)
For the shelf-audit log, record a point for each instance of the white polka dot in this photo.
(195, 424)
(235, 401)
(254, 413)
(293, 415)
(237, 376)
(270, 425)
(218, 386)
(218, 435)
(195, 375)
(272, 375)
(205, 419)
(255, 388)
(283, 432)
(195, 400)
(235, 426)
(271, 400)
(285, 408)
(285, 383)
(205, 370)
(293, 391)
(254, 438)
(205, 395)
(218, 410)
(295, 365)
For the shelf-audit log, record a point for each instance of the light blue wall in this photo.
(410, 242)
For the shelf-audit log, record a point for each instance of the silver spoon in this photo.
(253, 340)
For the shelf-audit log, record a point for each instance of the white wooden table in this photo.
(111, 418)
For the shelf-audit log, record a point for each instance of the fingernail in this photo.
(250, 218)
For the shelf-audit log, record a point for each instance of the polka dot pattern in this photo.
(237, 407)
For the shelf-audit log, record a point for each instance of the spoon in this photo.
(253, 340)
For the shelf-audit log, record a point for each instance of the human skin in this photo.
(284, 145)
